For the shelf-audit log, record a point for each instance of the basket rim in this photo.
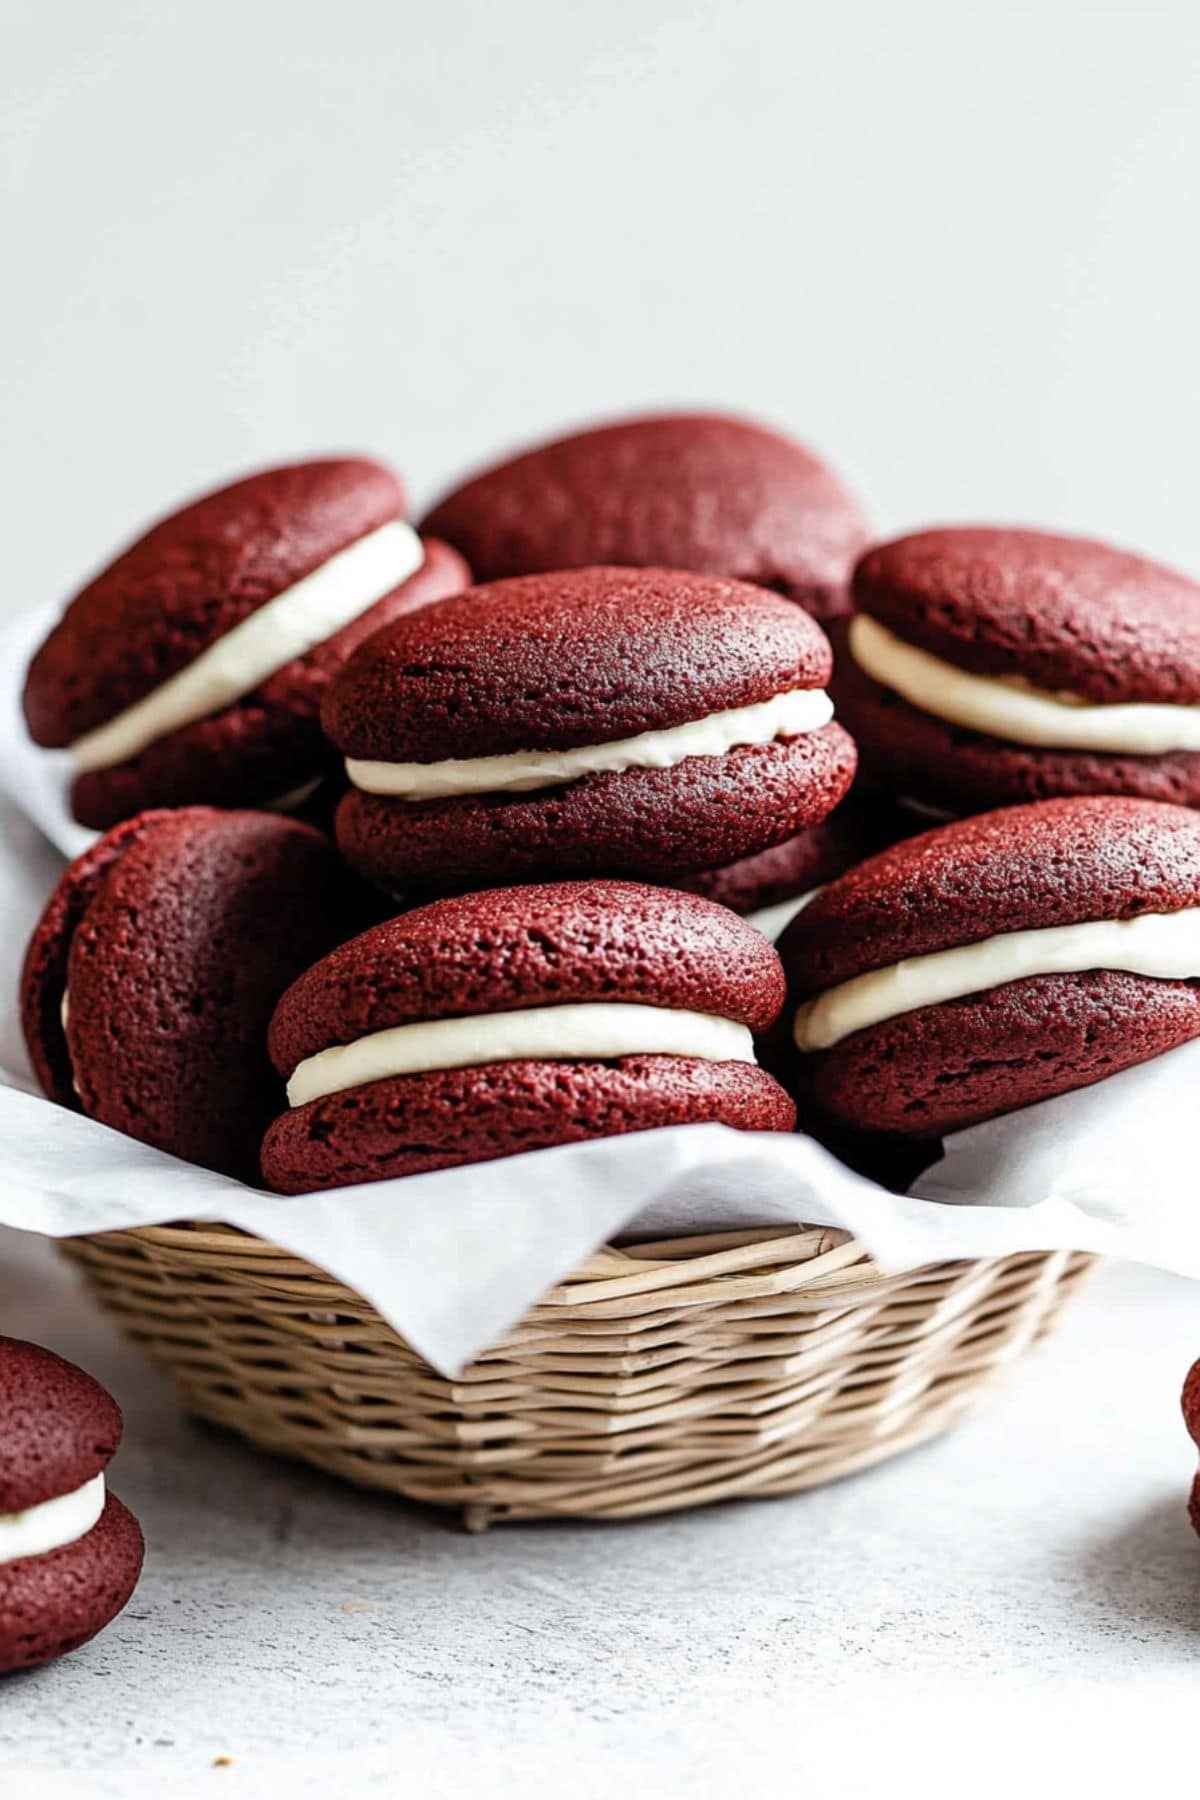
(617, 1279)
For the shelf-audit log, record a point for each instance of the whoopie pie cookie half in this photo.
(712, 493)
(70, 1553)
(1191, 1417)
(771, 887)
(604, 721)
(150, 980)
(488, 1024)
(988, 665)
(997, 961)
(192, 667)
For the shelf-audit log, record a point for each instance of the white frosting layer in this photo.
(785, 716)
(591, 1031)
(290, 625)
(1004, 706)
(63, 1520)
(1163, 945)
(773, 921)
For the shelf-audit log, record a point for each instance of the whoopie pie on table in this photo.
(151, 977)
(1191, 1416)
(986, 666)
(997, 961)
(192, 667)
(707, 492)
(510, 1020)
(600, 721)
(70, 1553)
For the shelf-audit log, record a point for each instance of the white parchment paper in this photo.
(454, 1258)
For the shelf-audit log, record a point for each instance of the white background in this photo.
(952, 242)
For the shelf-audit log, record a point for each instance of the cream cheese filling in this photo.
(520, 771)
(53, 1524)
(1163, 945)
(290, 625)
(594, 1031)
(1005, 706)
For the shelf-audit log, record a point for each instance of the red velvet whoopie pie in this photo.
(150, 980)
(1191, 1418)
(488, 1024)
(615, 722)
(708, 492)
(191, 669)
(997, 961)
(70, 1553)
(986, 666)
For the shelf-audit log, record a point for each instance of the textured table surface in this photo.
(959, 1611)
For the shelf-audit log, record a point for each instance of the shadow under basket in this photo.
(660, 1375)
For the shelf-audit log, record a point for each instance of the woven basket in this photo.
(661, 1375)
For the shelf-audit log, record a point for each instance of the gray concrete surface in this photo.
(972, 1597)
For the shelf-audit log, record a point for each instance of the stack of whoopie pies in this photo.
(569, 752)
(70, 1553)
(1019, 950)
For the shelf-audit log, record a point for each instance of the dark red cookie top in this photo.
(715, 494)
(58, 1427)
(1057, 862)
(550, 662)
(192, 578)
(513, 948)
(1065, 613)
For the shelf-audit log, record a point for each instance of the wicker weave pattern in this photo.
(662, 1375)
